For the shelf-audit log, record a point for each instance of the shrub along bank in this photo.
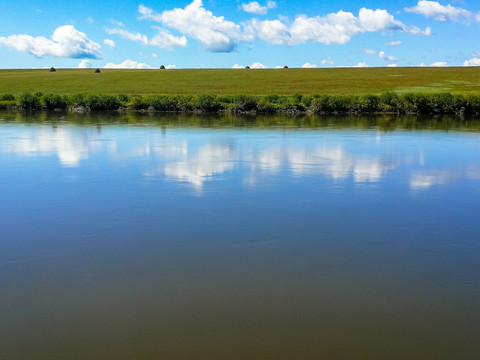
(389, 102)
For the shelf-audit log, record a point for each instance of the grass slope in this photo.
(353, 81)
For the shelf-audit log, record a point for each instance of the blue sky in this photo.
(226, 34)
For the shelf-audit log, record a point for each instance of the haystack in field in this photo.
(52, 69)
(285, 67)
(247, 67)
(97, 71)
(162, 67)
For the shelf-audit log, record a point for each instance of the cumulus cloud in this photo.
(435, 10)
(128, 64)
(369, 52)
(255, 8)
(335, 28)
(110, 43)
(384, 57)
(84, 64)
(128, 35)
(257, 65)
(220, 35)
(392, 65)
(327, 62)
(163, 39)
(309, 66)
(237, 66)
(439, 64)
(475, 61)
(361, 65)
(170, 67)
(215, 33)
(66, 42)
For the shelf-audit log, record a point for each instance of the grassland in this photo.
(338, 81)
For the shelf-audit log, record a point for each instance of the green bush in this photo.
(53, 102)
(138, 103)
(205, 102)
(7, 104)
(30, 101)
(7, 97)
(102, 102)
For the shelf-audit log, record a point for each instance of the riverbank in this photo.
(388, 102)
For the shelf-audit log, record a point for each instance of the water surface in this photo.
(176, 237)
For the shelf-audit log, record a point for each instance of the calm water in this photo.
(239, 238)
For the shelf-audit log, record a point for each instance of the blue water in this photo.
(156, 239)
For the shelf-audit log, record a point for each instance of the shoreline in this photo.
(297, 104)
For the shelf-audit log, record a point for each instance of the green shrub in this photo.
(205, 102)
(138, 103)
(52, 102)
(389, 102)
(245, 102)
(77, 100)
(102, 102)
(7, 97)
(7, 104)
(31, 101)
(163, 102)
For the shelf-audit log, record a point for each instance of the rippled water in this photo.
(148, 237)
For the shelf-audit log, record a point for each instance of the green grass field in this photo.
(348, 81)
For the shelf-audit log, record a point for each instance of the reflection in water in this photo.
(253, 238)
(197, 163)
(208, 161)
(69, 145)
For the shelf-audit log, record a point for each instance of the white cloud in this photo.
(219, 35)
(110, 43)
(440, 12)
(271, 31)
(155, 56)
(378, 20)
(163, 39)
(335, 28)
(215, 33)
(392, 65)
(128, 35)
(369, 51)
(439, 64)
(309, 66)
(66, 42)
(237, 66)
(327, 62)
(382, 56)
(475, 61)
(394, 43)
(170, 67)
(84, 64)
(361, 65)
(257, 65)
(117, 23)
(128, 64)
(255, 8)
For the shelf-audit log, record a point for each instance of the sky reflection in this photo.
(197, 157)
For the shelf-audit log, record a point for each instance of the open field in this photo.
(347, 81)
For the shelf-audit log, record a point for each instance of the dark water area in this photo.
(146, 236)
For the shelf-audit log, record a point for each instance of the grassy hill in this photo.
(347, 81)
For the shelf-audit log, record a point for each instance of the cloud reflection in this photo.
(70, 147)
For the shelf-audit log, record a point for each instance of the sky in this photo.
(234, 33)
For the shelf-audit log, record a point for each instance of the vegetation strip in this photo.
(388, 102)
